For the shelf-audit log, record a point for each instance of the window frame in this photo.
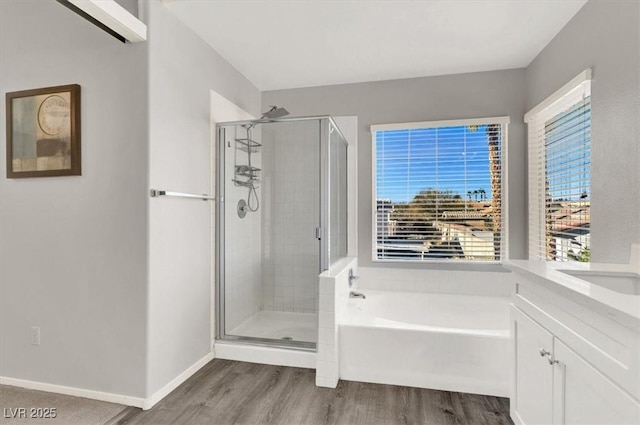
(504, 245)
(567, 96)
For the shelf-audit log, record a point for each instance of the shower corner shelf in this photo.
(246, 183)
(247, 171)
(246, 175)
(248, 145)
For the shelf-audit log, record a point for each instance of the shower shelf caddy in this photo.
(246, 175)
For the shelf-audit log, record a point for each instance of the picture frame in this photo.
(43, 132)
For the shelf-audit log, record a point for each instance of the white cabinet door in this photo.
(583, 396)
(533, 377)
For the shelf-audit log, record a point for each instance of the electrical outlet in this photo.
(35, 335)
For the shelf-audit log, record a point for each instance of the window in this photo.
(438, 190)
(560, 174)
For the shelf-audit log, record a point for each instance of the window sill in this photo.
(474, 266)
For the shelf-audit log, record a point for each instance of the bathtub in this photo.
(438, 341)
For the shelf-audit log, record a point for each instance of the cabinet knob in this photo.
(552, 361)
(544, 352)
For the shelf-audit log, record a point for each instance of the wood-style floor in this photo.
(228, 392)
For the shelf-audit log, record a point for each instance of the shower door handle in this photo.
(319, 233)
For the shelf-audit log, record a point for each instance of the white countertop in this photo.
(550, 270)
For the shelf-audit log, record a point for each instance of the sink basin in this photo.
(623, 282)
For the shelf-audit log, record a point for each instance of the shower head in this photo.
(275, 112)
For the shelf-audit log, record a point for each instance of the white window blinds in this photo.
(438, 190)
(560, 174)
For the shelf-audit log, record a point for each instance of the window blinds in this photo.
(560, 174)
(438, 191)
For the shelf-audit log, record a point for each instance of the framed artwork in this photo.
(43, 132)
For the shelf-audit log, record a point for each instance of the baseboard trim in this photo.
(72, 391)
(142, 403)
(175, 383)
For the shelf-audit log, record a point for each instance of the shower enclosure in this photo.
(281, 219)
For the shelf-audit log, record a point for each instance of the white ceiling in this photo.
(297, 43)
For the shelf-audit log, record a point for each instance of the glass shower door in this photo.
(268, 250)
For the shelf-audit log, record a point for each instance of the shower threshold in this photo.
(279, 325)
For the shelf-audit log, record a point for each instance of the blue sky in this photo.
(408, 161)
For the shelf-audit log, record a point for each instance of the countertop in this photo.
(550, 270)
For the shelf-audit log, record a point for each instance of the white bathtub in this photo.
(439, 341)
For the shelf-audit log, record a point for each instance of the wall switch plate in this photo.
(35, 335)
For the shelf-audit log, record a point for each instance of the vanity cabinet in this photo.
(532, 403)
(585, 396)
(573, 363)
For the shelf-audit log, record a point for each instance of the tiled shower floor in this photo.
(280, 325)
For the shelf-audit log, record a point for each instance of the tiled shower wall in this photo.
(243, 282)
(290, 214)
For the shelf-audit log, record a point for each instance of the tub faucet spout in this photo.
(354, 294)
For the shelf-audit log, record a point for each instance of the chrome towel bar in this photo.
(157, 193)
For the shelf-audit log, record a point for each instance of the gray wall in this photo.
(604, 36)
(119, 283)
(73, 249)
(182, 71)
(476, 95)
